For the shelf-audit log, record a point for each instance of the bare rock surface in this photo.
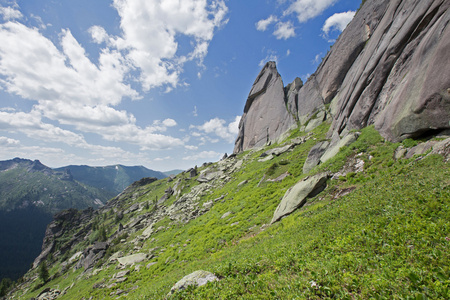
(265, 115)
(197, 278)
(387, 68)
(296, 196)
(132, 259)
(398, 81)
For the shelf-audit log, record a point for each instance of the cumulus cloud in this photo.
(284, 30)
(219, 128)
(262, 25)
(308, 9)
(7, 142)
(159, 58)
(10, 12)
(337, 22)
(71, 89)
(271, 56)
(98, 34)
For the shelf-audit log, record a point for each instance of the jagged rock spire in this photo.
(265, 116)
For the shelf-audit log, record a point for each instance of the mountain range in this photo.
(338, 188)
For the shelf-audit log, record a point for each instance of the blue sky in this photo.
(158, 83)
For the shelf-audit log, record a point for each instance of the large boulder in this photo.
(296, 196)
(265, 115)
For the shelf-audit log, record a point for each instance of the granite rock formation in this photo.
(388, 68)
(265, 116)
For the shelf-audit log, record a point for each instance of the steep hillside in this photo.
(377, 226)
(110, 179)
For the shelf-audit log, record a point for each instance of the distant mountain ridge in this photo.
(110, 179)
(25, 183)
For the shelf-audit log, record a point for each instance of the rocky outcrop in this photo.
(387, 68)
(265, 115)
(398, 81)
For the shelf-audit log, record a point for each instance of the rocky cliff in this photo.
(387, 68)
(265, 115)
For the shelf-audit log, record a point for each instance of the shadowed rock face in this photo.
(265, 115)
(389, 67)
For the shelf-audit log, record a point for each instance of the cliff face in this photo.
(388, 68)
(400, 80)
(265, 115)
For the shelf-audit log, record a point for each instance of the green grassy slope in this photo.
(382, 233)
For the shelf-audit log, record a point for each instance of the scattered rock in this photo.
(197, 278)
(334, 148)
(121, 274)
(266, 158)
(442, 148)
(314, 156)
(49, 294)
(420, 149)
(400, 152)
(280, 178)
(226, 214)
(148, 231)
(242, 183)
(278, 151)
(296, 196)
(132, 259)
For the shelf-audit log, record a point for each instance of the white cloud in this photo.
(284, 30)
(262, 25)
(72, 90)
(204, 155)
(220, 129)
(158, 58)
(190, 147)
(41, 72)
(10, 13)
(169, 123)
(337, 22)
(7, 142)
(308, 9)
(98, 34)
(317, 59)
(32, 125)
(271, 56)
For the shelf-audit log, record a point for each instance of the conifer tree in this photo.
(43, 272)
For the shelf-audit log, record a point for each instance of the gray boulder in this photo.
(314, 156)
(334, 148)
(197, 278)
(296, 196)
(132, 259)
